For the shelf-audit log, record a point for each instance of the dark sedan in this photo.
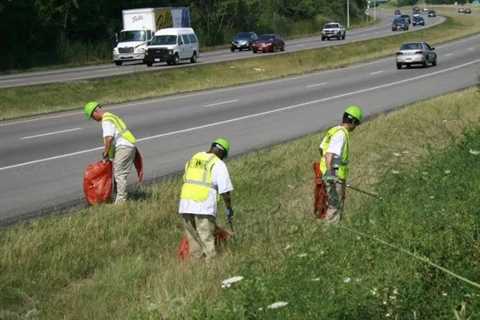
(243, 40)
(399, 24)
(418, 21)
(268, 43)
(406, 17)
(432, 13)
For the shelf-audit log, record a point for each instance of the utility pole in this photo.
(374, 10)
(348, 14)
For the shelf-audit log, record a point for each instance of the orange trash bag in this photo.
(98, 182)
(221, 237)
(320, 203)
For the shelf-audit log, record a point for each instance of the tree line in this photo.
(43, 32)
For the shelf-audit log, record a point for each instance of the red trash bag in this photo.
(320, 204)
(98, 182)
(138, 162)
(221, 237)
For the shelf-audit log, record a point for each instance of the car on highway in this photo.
(333, 30)
(406, 17)
(243, 41)
(432, 13)
(416, 53)
(467, 11)
(415, 10)
(418, 20)
(399, 24)
(172, 45)
(268, 43)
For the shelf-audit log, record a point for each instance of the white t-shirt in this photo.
(109, 130)
(221, 182)
(337, 142)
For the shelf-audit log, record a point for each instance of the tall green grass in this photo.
(24, 101)
(112, 262)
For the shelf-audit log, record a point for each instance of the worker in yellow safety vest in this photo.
(206, 176)
(334, 151)
(119, 145)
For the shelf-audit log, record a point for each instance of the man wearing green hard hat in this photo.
(334, 150)
(119, 145)
(206, 176)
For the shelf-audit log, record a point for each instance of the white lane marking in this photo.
(314, 85)
(256, 115)
(50, 133)
(376, 72)
(449, 54)
(220, 103)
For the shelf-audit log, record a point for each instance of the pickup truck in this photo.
(333, 30)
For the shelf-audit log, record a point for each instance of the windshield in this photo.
(136, 35)
(411, 46)
(331, 26)
(266, 37)
(243, 35)
(164, 40)
(399, 21)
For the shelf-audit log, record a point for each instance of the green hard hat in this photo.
(223, 144)
(355, 112)
(89, 108)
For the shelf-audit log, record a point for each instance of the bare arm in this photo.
(107, 142)
(329, 163)
(227, 199)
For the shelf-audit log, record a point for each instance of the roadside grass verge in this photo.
(112, 262)
(34, 100)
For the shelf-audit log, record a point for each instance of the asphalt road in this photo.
(42, 159)
(381, 29)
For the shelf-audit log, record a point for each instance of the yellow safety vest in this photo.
(197, 180)
(120, 125)
(342, 169)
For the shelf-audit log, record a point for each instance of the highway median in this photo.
(41, 99)
(111, 262)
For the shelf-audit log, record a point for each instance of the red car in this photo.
(268, 43)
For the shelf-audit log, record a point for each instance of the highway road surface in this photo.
(42, 159)
(381, 29)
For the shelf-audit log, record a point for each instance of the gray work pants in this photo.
(122, 164)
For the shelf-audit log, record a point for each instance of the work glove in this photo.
(229, 214)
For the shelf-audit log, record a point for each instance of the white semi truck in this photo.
(139, 26)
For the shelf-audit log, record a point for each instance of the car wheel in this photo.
(282, 48)
(176, 59)
(425, 63)
(232, 49)
(193, 59)
(434, 62)
(399, 66)
(323, 38)
(254, 50)
(169, 62)
(149, 64)
(343, 38)
(118, 63)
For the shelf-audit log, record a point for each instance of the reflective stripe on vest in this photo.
(342, 169)
(197, 180)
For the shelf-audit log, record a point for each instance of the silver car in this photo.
(416, 53)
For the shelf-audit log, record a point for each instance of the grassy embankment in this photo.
(16, 102)
(119, 262)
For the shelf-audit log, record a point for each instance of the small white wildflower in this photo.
(260, 309)
(227, 283)
(302, 255)
(287, 247)
(392, 297)
(358, 280)
(276, 305)
(432, 197)
(396, 154)
(387, 315)
(474, 152)
(424, 173)
(259, 69)
(444, 294)
(384, 302)
(347, 280)
(447, 171)
(395, 291)
(395, 172)
(374, 291)
(322, 253)
(316, 279)
(359, 238)
(405, 152)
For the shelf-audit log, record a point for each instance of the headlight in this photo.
(115, 50)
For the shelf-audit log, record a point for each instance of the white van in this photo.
(172, 45)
